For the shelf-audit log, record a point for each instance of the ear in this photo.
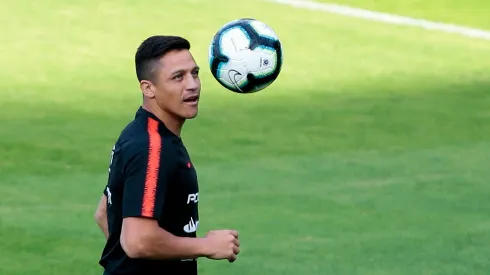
(147, 88)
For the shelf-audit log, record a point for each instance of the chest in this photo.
(180, 214)
(183, 181)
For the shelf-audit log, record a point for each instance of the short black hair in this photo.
(152, 49)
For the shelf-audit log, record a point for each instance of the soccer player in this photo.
(149, 208)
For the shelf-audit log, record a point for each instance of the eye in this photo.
(195, 73)
(178, 77)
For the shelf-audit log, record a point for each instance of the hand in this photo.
(222, 244)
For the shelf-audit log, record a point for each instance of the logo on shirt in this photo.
(112, 157)
(109, 195)
(193, 198)
(191, 227)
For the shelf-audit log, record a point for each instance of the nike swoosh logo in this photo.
(232, 74)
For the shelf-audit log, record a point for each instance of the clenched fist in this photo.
(222, 244)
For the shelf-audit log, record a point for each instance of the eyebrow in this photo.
(183, 70)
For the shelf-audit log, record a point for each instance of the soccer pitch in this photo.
(368, 155)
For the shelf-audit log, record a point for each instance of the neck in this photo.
(173, 123)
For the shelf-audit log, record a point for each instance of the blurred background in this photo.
(368, 155)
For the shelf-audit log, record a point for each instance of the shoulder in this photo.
(133, 138)
(136, 130)
(144, 131)
(144, 145)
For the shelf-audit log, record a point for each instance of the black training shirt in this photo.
(150, 176)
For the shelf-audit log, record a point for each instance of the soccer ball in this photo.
(245, 56)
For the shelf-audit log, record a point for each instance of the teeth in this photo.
(192, 99)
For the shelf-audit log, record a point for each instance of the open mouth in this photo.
(192, 99)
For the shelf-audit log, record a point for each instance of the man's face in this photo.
(177, 86)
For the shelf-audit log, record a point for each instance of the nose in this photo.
(192, 83)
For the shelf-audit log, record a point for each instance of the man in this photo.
(149, 209)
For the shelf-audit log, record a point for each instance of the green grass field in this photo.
(369, 155)
(469, 12)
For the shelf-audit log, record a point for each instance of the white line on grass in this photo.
(387, 18)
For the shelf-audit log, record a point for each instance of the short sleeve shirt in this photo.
(150, 176)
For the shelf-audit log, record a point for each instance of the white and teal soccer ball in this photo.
(245, 56)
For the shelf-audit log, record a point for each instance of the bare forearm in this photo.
(164, 245)
(101, 216)
(102, 223)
